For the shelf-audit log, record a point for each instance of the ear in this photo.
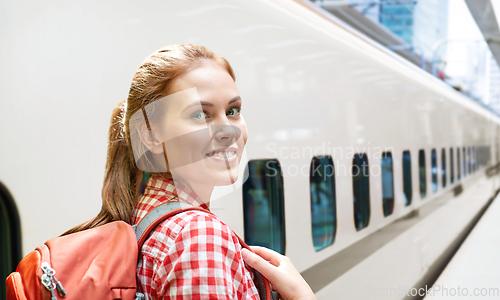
(149, 140)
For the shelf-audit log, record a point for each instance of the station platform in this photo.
(474, 271)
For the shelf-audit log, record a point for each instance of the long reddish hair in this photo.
(152, 81)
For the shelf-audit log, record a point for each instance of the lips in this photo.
(222, 152)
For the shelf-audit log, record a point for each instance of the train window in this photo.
(459, 165)
(473, 158)
(497, 153)
(465, 161)
(387, 183)
(485, 155)
(478, 157)
(144, 182)
(443, 166)
(421, 173)
(434, 170)
(407, 187)
(452, 167)
(482, 155)
(323, 216)
(361, 190)
(263, 205)
(10, 236)
(469, 158)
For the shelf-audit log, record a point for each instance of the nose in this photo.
(225, 133)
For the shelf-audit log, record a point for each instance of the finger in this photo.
(258, 263)
(272, 256)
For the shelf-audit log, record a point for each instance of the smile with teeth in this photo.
(222, 154)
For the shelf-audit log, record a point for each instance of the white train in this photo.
(311, 87)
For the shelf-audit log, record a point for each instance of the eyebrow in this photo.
(204, 103)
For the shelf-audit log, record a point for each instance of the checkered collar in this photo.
(166, 187)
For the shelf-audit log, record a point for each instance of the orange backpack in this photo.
(98, 263)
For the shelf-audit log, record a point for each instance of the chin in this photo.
(225, 179)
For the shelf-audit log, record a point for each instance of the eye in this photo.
(199, 115)
(234, 111)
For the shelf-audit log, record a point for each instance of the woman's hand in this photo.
(279, 270)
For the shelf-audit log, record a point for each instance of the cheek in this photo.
(184, 132)
(244, 134)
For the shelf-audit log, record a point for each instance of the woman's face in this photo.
(204, 132)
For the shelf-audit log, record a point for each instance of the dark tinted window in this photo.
(361, 190)
(459, 164)
(323, 217)
(452, 167)
(407, 186)
(483, 160)
(443, 167)
(387, 183)
(421, 173)
(469, 159)
(263, 205)
(483, 156)
(474, 159)
(10, 237)
(479, 157)
(464, 163)
(144, 182)
(434, 170)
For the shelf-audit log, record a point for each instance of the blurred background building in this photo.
(444, 37)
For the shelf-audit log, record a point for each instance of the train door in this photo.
(10, 237)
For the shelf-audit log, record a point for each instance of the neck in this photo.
(204, 191)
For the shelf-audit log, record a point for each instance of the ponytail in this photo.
(122, 178)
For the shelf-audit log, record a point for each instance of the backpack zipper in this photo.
(50, 281)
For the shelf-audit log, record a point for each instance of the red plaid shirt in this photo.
(192, 255)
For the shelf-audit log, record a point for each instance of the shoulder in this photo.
(190, 229)
(205, 228)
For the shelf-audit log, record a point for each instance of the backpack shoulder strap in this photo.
(158, 215)
(170, 209)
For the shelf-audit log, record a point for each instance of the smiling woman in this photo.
(182, 124)
(182, 111)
